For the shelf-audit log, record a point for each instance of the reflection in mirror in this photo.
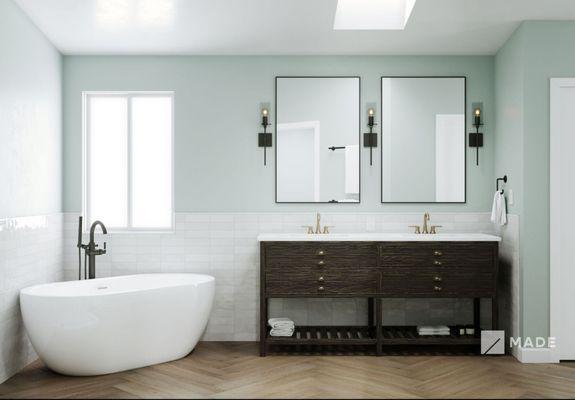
(317, 140)
(423, 140)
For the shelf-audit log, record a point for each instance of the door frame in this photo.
(556, 84)
(306, 125)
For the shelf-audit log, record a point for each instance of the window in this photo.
(128, 153)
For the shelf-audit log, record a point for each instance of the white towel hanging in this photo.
(499, 209)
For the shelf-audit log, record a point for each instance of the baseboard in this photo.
(535, 356)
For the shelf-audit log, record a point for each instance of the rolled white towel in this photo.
(281, 323)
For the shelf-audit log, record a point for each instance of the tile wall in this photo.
(509, 278)
(30, 253)
(224, 245)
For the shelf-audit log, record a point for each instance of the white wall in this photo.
(30, 118)
(30, 173)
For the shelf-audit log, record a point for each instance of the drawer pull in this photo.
(320, 279)
(437, 262)
(321, 288)
(437, 279)
(320, 253)
(437, 253)
(321, 263)
(437, 288)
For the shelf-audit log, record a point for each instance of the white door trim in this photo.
(556, 84)
(315, 125)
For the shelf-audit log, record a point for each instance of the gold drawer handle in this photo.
(320, 279)
(437, 262)
(437, 253)
(321, 288)
(320, 253)
(437, 288)
(437, 279)
(321, 263)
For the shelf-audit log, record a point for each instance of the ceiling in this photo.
(277, 27)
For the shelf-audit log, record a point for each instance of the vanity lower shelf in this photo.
(327, 335)
(407, 335)
(365, 335)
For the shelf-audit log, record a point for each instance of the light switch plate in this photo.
(510, 199)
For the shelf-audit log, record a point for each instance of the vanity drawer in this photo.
(323, 283)
(321, 254)
(460, 255)
(410, 282)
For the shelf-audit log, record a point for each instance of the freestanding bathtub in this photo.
(100, 326)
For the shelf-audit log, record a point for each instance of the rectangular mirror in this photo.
(423, 139)
(317, 140)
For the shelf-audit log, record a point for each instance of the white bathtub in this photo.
(101, 326)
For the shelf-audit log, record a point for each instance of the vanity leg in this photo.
(494, 313)
(263, 325)
(263, 302)
(378, 328)
(477, 316)
(370, 311)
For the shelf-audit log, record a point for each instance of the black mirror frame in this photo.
(276, 139)
(464, 140)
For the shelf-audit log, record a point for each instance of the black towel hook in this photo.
(504, 179)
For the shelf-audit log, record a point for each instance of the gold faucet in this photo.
(425, 229)
(318, 230)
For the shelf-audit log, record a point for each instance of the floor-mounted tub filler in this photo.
(101, 326)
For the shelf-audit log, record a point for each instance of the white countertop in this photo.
(377, 237)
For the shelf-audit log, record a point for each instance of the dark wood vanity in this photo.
(376, 270)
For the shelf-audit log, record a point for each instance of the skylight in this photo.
(372, 14)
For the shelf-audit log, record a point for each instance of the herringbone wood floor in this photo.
(234, 370)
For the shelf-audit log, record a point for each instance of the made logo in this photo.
(492, 342)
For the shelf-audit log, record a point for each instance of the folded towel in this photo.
(499, 209)
(441, 330)
(351, 169)
(282, 332)
(433, 327)
(439, 333)
(281, 323)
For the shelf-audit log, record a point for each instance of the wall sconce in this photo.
(476, 138)
(265, 137)
(370, 138)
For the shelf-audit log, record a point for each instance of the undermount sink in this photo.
(377, 237)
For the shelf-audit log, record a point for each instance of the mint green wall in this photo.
(218, 166)
(30, 118)
(538, 51)
(509, 83)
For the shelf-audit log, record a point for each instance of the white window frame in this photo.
(85, 164)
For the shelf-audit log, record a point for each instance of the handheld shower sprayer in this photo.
(79, 245)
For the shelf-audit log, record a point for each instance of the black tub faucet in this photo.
(92, 251)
